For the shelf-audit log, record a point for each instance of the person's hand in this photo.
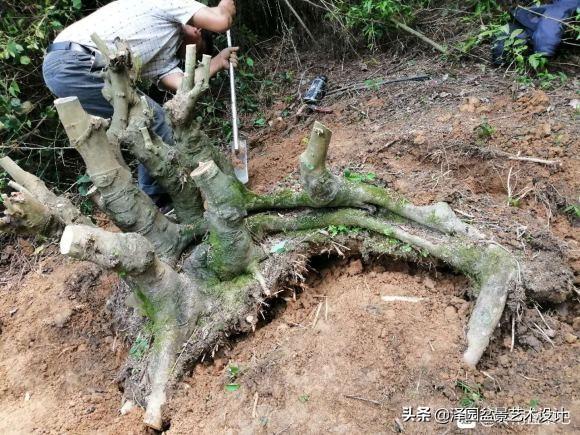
(226, 56)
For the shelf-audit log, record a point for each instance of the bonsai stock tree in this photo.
(208, 272)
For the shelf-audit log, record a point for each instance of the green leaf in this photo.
(279, 248)
(24, 60)
(260, 122)
(84, 179)
(232, 387)
(84, 184)
(515, 33)
(77, 4)
(250, 62)
(13, 48)
(14, 89)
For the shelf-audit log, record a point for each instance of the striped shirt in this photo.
(152, 28)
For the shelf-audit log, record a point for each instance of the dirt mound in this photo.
(58, 354)
(340, 358)
(347, 358)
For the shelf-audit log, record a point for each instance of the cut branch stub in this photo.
(130, 208)
(180, 107)
(23, 214)
(231, 250)
(123, 252)
(189, 73)
(118, 88)
(319, 182)
(58, 206)
(164, 163)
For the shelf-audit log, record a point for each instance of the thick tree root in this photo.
(170, 300)
(492, 269)
(324, 189)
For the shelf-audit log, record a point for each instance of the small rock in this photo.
(503, 360)
(62, 317)
(420, 139)
(450, 312)
(483, 109)
(355, 268)
(219, 364)
(576, 324)
(127, 407)
(570, 338)
(282, 327)
(429, 283)
(457, 302)
(90, 410)
(13, 311)
(532, 341)
(543, 130)
(470, 105)
(27, 396)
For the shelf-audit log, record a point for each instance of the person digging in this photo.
(157, 32)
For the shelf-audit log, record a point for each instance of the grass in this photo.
(484, 130)
(336, 230)
(471, 396)
(139, 347)
(573, 210)
(233, 371)
(363, 177)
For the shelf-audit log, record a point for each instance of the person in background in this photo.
(541, 26)
(156, 32)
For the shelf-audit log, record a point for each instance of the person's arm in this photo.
(172, 81)
(216, 19)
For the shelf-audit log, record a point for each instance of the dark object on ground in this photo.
(541, 25)
(316, 91)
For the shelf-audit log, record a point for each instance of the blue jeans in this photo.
(70, 73)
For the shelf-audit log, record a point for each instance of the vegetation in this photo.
(28, 121)
(471, 395)
(529, 67)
